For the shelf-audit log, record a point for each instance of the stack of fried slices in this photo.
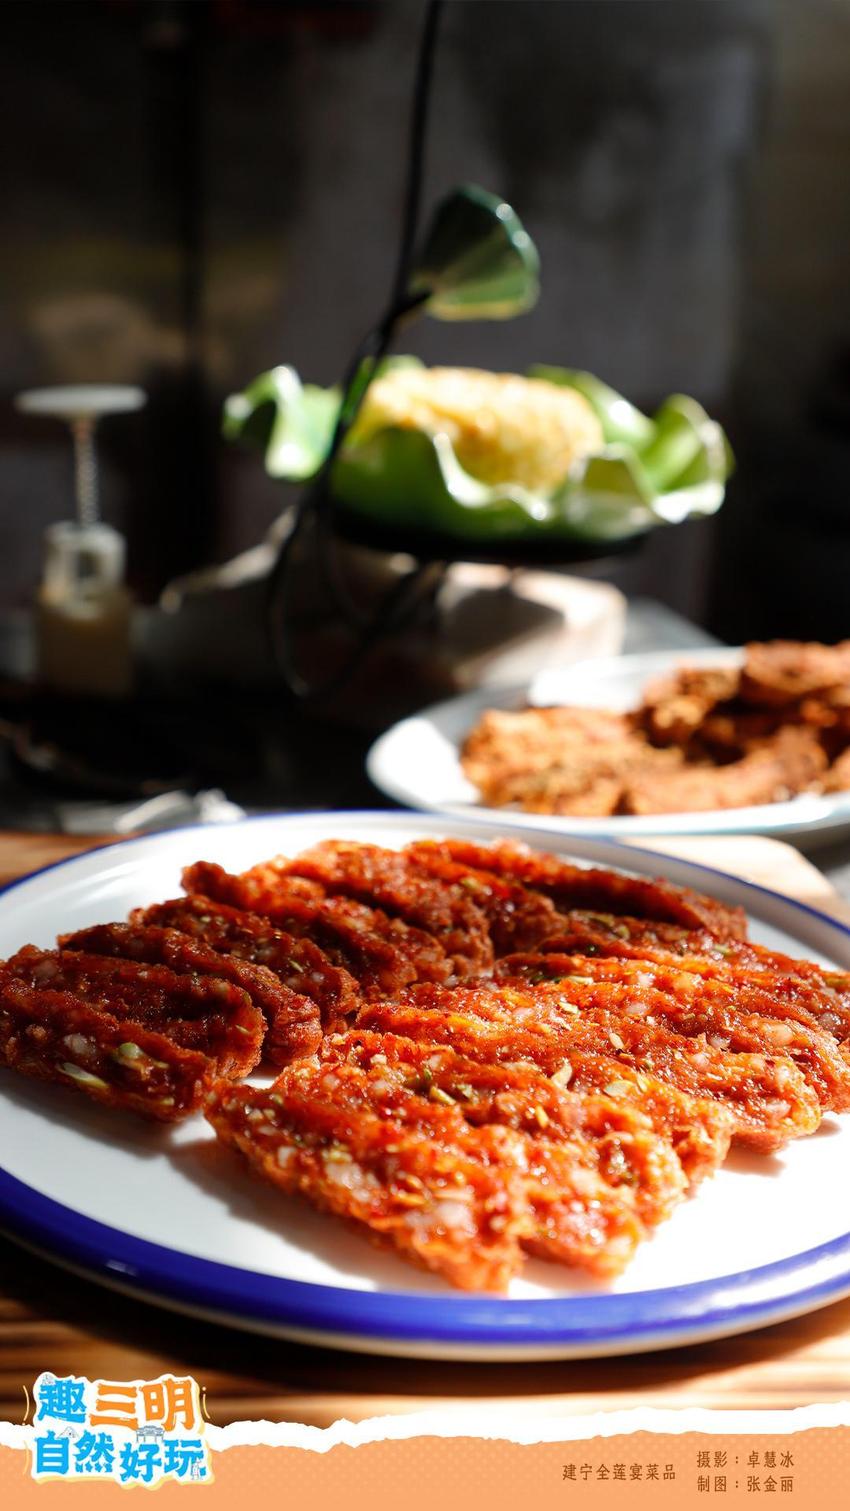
(482, 1052)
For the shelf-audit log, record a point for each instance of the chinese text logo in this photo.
(137, 1432)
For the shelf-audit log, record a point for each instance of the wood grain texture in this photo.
(50, 1319)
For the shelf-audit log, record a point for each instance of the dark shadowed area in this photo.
(195, 192)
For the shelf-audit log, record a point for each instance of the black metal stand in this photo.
(317, 557)
(394, 609)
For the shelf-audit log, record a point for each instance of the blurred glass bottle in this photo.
(83, 607)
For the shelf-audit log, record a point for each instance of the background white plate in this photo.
(170, 1213)
(417, 761)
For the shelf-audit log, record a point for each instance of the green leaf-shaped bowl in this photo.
(649, 471)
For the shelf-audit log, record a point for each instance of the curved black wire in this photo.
(315, 501)
(416, 149)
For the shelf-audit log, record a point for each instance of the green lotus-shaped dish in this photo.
(647, 471)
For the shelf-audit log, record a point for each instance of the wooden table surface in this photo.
(50, 1319)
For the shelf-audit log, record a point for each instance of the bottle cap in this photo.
(79, 401)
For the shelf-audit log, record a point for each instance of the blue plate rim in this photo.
(664, 1316)
(660, 1317)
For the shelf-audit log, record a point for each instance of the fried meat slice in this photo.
(507, 737)
(54, 1036)
(587, 1177)
(591, 887)
(201, 1013)
(837, 778)
(783, 671)
(558, 760)
(391, 881)
(409, 1172)
(765, 1094)
(593, 1163)
(643, 938)
(728, 1016)
(297, 962)
(293, 1020)
(789, 762)
(699, 1130)
(829, 713)
(507, 746)
(562, 788)
(674, 707)
(517, 917)
(733, 729)
(823, 993)
(382, 954)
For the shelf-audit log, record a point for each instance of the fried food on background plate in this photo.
(703, 738)
(516, 741)
(789, 762)
(783, 671)
(673, 707)
(551, 760)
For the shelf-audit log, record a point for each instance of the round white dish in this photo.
(417, 761)
(169, 1214)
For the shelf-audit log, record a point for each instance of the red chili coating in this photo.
(825, 992)
(766, 1095)
(293, 1020)
(299, 963)
(579, 887)
(728, 1016)
(376, 1133)
(700, 1130)
(388, 879)
(517, 917)
(530, 1069)
(415, 1178)
(382, 954)
(618, 1162)
(53, 1036)
(195, 1012)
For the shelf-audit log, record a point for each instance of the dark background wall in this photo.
(195, 191)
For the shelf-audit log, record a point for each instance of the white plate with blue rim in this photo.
(417, 761)
(169, 1215)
